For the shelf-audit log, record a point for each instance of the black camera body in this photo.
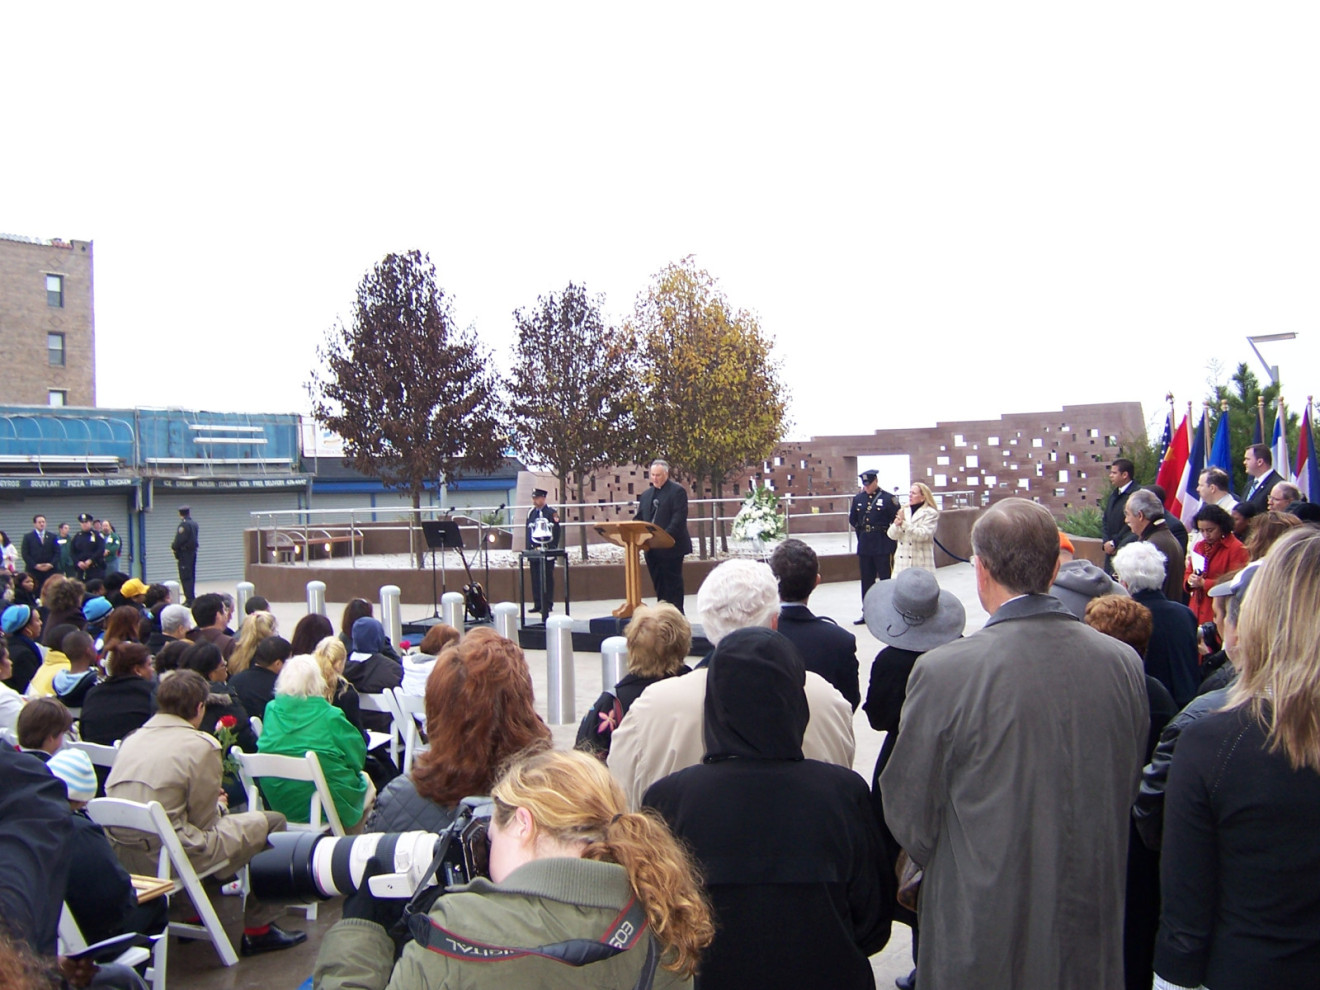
(300, 865)
(1209, 633)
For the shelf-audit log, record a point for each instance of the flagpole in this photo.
(1260, 416)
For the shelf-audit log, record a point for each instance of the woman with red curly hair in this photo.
(479, 714)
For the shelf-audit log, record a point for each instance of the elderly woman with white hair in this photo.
(1171, 657)
(663, 730)
(301, 718)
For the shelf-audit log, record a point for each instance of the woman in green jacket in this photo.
(567, 862)
(301, 718)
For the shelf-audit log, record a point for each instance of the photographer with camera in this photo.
(575, 880)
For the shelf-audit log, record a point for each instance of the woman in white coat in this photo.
(914, 531)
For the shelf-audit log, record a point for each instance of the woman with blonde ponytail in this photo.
(573, 875)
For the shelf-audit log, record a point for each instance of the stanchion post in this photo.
(451, 609)
(506, 619)
(613, 662)
(390, 616)
(560, 694)
(244, 591)
(316, 598)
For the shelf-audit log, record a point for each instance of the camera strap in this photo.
(621, 935)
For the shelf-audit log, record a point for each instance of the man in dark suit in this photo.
(1145, 516)
(1114, 529)
(665, 504)
(1259, 464)
(1175, 525)
(40, 554)
(826, 649)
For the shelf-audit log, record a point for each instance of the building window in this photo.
(57, 397)
(55, 349)
(55, 291)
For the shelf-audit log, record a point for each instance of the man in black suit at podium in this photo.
(665, 504)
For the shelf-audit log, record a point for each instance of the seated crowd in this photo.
(1116, 781)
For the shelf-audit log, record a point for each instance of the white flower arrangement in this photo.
(759, 518)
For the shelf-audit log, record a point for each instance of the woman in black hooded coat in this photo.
(789, 847)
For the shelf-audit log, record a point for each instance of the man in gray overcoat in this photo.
(1014, 776)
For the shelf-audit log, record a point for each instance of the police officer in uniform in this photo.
(543, 598)
(872, 510)
(87, 549)
(185, 552)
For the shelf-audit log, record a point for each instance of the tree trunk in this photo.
(719, 518)
(582, 514)
(707, 534)
(414, 544)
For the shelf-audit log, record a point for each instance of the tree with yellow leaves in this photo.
(710, 401)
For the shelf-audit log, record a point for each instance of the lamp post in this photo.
(1270, 369)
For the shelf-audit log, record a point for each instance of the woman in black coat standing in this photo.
(788, 846)
(1240, 867)
(912, 615)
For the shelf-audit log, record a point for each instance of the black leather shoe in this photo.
(274, 940)
(860, 622)
(908, 982)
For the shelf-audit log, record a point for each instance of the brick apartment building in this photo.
(47, 326)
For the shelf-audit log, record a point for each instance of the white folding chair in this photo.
(255, 722)
(100, 755)
(384, 703)
(72, 942)
(253, 766)
(409, 708)
(173, 864)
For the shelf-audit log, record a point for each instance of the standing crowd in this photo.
(1114, 782)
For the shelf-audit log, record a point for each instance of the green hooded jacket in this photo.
(294, 725)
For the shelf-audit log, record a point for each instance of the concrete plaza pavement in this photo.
(196, 965)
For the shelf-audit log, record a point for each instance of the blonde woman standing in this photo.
(1240, 867)
(914, 531)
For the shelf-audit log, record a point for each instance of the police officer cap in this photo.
(868, 477)
(84, 517)
(539, 493)
(184, 510)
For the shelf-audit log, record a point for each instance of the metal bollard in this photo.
(613, 662)
(176, 591)
(506, 620)
(316, 598)
(451, 609)
(560, 694)
(390, 616)
(244, 591)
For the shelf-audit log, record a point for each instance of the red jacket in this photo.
(1228, 554)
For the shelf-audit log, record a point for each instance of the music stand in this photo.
(440, 534)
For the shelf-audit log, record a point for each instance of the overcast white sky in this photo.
(938, 210)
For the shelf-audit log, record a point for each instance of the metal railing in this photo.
(298, 528)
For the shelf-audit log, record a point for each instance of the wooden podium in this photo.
(633, 535)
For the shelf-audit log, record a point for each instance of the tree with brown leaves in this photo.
(411, 395)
